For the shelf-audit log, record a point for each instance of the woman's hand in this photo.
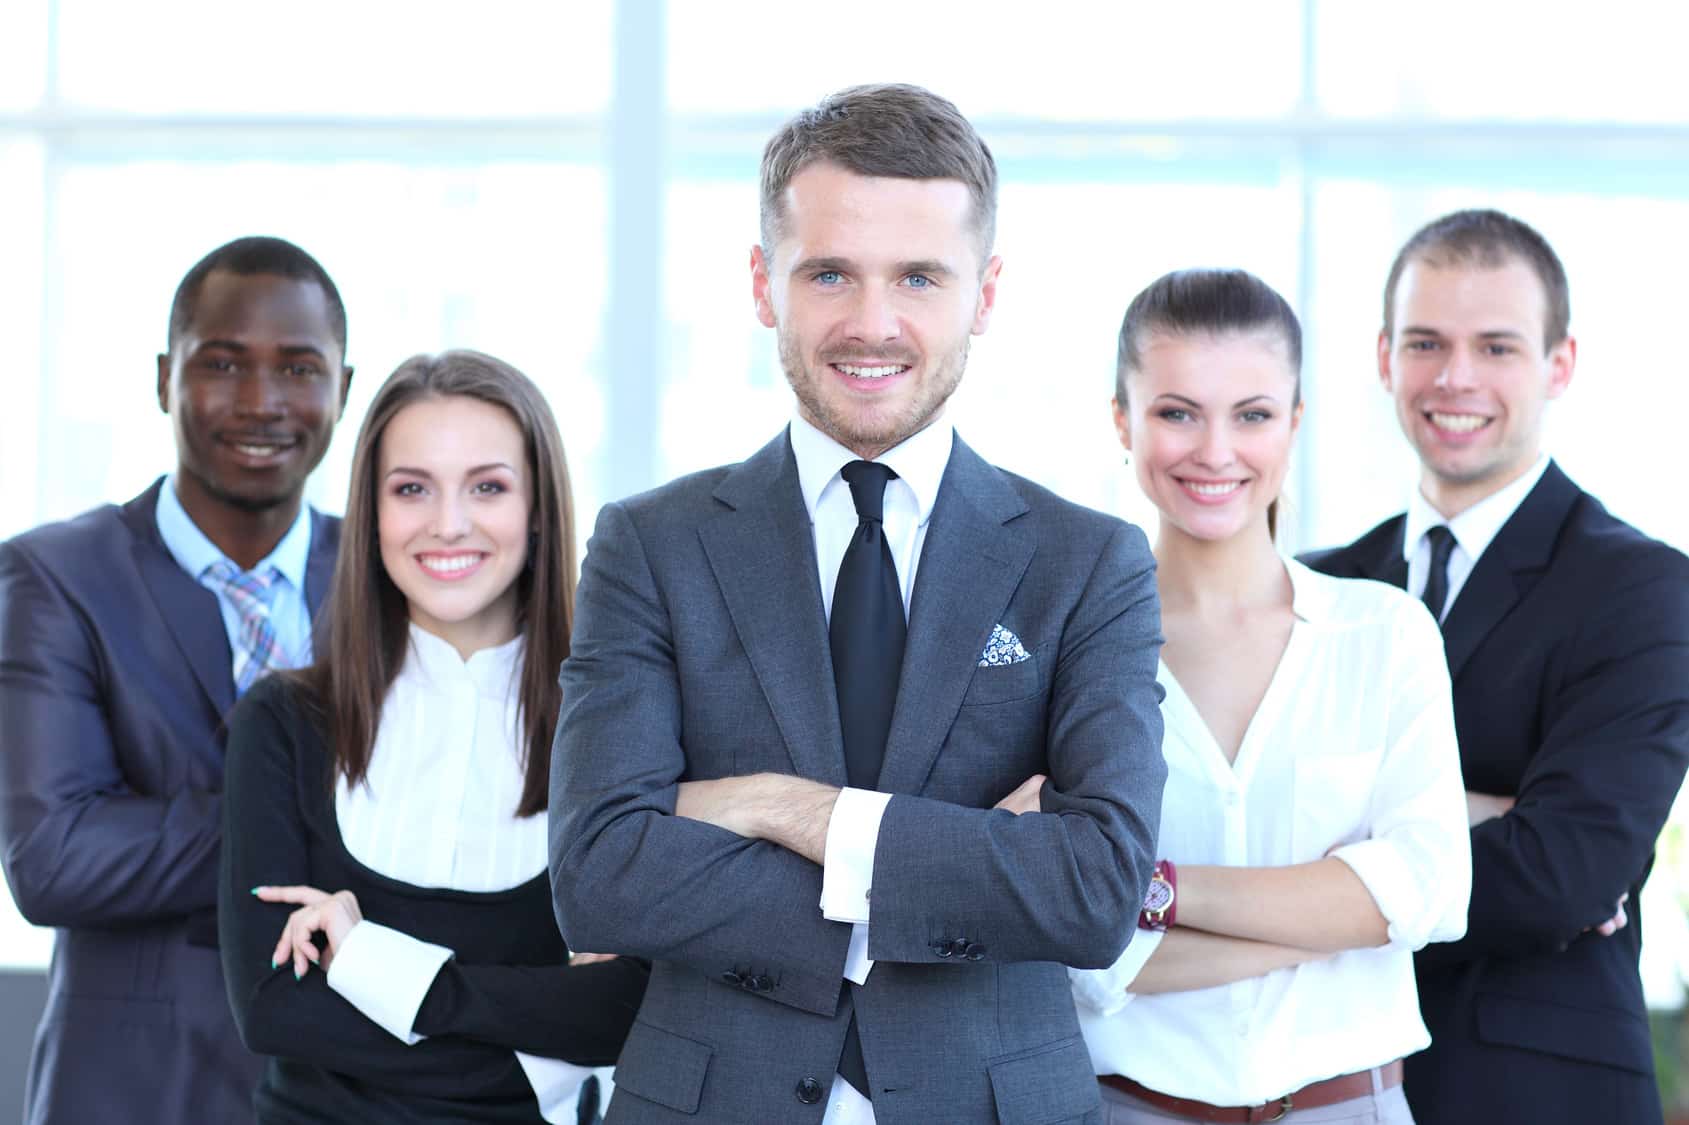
(334, 915)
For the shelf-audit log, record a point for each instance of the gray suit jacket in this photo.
(700, 651)
(114, 681)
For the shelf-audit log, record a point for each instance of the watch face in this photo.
(1159, 896)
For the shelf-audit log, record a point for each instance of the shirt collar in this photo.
(434, 662)
(1475, 528)
(919, 461)
(1311, 592)
(195, 553)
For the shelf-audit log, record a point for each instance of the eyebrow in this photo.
(1491, 334)
(285, 349)
(844, 265)
(408, 470)
(1192, 402)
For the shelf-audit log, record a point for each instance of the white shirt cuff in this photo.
(1106, 991)
(385, 974)
(1394, 890)
(847, 869)
(557, 1086)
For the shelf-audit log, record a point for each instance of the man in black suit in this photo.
(1567, 637)
(125, 636)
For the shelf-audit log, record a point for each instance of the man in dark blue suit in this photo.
(1567, 638)
(125, 636)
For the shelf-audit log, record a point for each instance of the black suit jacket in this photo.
(1568, 648)
(115, 677)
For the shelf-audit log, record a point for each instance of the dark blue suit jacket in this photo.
(114, 683)
(1569, 651)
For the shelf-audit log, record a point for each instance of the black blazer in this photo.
(115, 678)
(1569, 652)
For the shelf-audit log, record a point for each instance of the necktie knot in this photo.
(256, 649)
(1437, 575)
(867, 480)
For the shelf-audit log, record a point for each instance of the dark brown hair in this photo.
(1489, 240)
(1208, 302)
(892, 130)
(361, 644)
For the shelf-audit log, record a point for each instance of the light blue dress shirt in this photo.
(196, 554)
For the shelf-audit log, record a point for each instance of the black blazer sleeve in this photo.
(81, 847)
(1613, 751)
(581, 1014)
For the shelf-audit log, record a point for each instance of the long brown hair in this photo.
(362, 636)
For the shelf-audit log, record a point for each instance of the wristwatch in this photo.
(1161, 900)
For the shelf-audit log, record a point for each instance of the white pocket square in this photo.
(1003, 648)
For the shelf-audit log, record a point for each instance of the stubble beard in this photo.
(873, 433)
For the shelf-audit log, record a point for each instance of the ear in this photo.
(1385, 376)
(987, 295)
(1562, 359)
(1296, 418)
(762, 291)
(345, 389)
(1122, 424)
(164, 383)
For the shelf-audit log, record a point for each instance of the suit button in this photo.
(939, 948)
(762, 983)
(974, 951)
(809, 1091)
(732, 979)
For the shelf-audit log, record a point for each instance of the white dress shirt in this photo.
(1351, 753)
(1474, 530)
(848, 867)
(438, 809)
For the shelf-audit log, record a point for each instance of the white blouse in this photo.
(438, 809)
(1352, 751)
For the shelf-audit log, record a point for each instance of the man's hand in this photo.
(333, 915)
(792, 812)
(1484, 806)
(1025, 797)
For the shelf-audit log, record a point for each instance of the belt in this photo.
(1312, 1096)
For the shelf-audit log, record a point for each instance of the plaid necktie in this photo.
(256, 651)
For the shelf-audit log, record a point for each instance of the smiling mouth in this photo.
(259, 448)
(1454, 423)
(1212, 489)
(870, 371)
(451, 566)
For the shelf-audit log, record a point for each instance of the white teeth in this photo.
(1458, 423)
(1219, 488)
(256, 450)
(454, 565)
(869, 372)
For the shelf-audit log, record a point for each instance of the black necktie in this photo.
(866, 633)
(1437, 578)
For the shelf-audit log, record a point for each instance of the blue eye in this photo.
(1255, 416)
(829, 277)
(919, 281)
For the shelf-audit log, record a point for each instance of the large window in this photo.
(573, 188)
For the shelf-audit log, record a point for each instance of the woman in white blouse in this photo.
(385, 807)
(1313, 828)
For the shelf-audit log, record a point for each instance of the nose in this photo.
(259, 394)
(1459, 373)
(873, 316)
(1215, 450)
(451, 518)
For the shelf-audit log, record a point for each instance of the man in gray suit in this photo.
(815, 672)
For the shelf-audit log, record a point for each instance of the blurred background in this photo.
(573, 188)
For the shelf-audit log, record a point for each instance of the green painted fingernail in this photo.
(255, 890)
(274, 962)
(298, 976)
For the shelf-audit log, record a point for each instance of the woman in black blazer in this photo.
(386, 921)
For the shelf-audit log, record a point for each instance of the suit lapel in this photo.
(319, 564)
(1508, 567)
(971, 563)
(762, 553)
(189, 610)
